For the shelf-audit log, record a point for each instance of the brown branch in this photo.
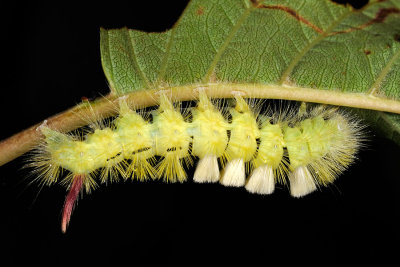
(68, 120)
(78, 116)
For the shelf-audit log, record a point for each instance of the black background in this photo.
(51, 58)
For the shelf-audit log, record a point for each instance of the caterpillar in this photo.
(238, 145)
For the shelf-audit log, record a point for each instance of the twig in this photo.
(78, 116)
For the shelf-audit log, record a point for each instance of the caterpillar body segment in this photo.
(320, 148)
(62, 151)
(172, 141)
(207, 170)
(210, 138)
(44, 163)
(135, 136)
(242, 144)
(306, 150)
(269, 162)
(105, 152)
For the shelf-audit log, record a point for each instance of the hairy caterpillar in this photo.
(304, 149)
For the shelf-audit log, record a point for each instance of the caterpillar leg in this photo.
(207, 170)
(234, 173)
(301, 182)
(262, 181)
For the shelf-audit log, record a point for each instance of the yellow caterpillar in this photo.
(305, 149)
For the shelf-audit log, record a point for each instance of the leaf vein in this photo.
(135, 61)
(226, 43)
(164, 61)
(208, 35)
(385, 71)
(111, 63)
(308, 47)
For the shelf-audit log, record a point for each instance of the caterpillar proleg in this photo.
(305, 149)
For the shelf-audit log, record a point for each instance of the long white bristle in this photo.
(207, 170)
(301, 182)
(261, 181)
(234, 173)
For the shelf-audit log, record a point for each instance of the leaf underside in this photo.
(311, 44)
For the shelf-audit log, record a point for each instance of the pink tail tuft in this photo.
(70, 200)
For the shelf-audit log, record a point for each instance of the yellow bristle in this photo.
(140, 168)
(171, 169)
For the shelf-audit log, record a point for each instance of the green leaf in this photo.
(385, 124)
(315, 50)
